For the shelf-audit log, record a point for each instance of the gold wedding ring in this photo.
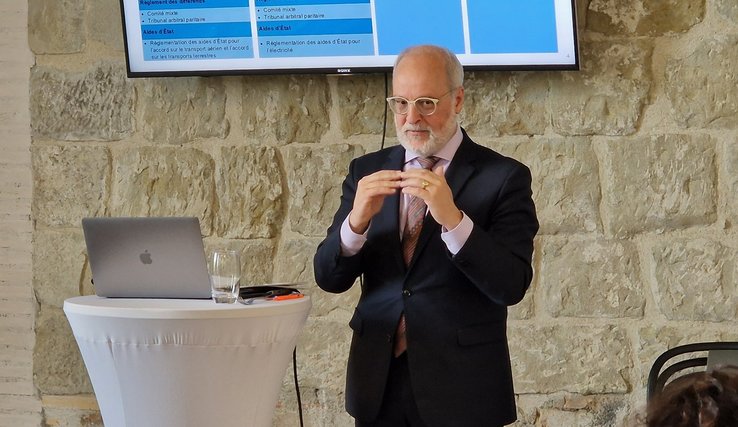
(425, 184)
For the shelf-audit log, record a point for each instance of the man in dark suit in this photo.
(429, 343)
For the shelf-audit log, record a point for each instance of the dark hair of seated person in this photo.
(699, 399)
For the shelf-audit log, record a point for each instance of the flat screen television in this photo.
(220, 37)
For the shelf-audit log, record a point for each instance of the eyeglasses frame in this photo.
(423, 98)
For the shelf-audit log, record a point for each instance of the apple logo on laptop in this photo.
(146, 257)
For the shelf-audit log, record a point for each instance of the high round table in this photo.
(166, 362)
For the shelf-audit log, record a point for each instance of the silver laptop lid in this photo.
(147, 257)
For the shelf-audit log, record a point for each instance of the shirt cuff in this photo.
(456, 238)
(351, 243)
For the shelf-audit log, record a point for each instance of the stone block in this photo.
(558, 418)
(569, 358)
(20, 410)
(15, 184)
(531, 406)
(293, 262)
(361, 104)
(285, 109)
(696, 279)
(338, 306)
(657, 183)
(703, 86)
(249, 188)
(566, 187)
(59, 259)
(728, 9)
(654, 340)
(257, 258)
(322, 352)
(581, 10)
(499, 103)
(597, 278)
(93, 105)
(644, 17)
(324, 344)
(525, 309)
(57, 364)
(104, 23)
(321, 407)
(314, 178)
(597, 412)
(75, 402)
(168, 181)
(534, 408)
(731, 183)
(608, 95)
(80, 410)
(70, 417)
(182, 109)
(69, 183)
(56, 26)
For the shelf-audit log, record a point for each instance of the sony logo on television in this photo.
(343, 70)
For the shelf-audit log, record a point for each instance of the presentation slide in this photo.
(294, 28)
(191, 29)
(180, 36)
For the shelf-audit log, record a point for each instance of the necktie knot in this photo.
(428, 162)
(414, 223)
(415, 214)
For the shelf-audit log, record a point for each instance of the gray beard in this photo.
(435, 141)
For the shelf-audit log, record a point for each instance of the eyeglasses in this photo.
(425, 105)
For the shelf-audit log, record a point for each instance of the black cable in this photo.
(294, 351)
(381, 146)
(384, 124)
(297, 384)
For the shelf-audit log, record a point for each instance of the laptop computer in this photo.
(161, 257)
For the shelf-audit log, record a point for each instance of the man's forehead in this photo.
(420, 59)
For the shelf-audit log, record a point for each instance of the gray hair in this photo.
(454, 70)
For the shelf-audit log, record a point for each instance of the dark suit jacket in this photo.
(455, 306)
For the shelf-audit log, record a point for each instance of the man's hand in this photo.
(432, 187)
(370, 194)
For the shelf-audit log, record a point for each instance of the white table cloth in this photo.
(163, 362)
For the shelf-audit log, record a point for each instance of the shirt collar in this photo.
(446, 152)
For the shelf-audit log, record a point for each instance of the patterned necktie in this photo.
(415, 216)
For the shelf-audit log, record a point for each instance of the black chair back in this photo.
(664, 368)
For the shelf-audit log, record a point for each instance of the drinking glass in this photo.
(225, 273)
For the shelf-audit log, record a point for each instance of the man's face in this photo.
(424, 75)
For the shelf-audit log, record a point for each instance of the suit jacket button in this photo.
(389, 338)
(407, 292)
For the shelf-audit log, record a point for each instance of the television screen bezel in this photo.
(348, 70)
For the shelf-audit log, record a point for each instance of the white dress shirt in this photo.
(351, 243)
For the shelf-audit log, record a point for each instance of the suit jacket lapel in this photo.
(457, 175)
(461, 167)
(388, 216)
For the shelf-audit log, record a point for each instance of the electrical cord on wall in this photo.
(297, 384)
(361, 278)
(384, 123)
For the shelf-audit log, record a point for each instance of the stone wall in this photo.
(19, 403)
(634, 158)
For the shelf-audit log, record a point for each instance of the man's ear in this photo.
(459, 100)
